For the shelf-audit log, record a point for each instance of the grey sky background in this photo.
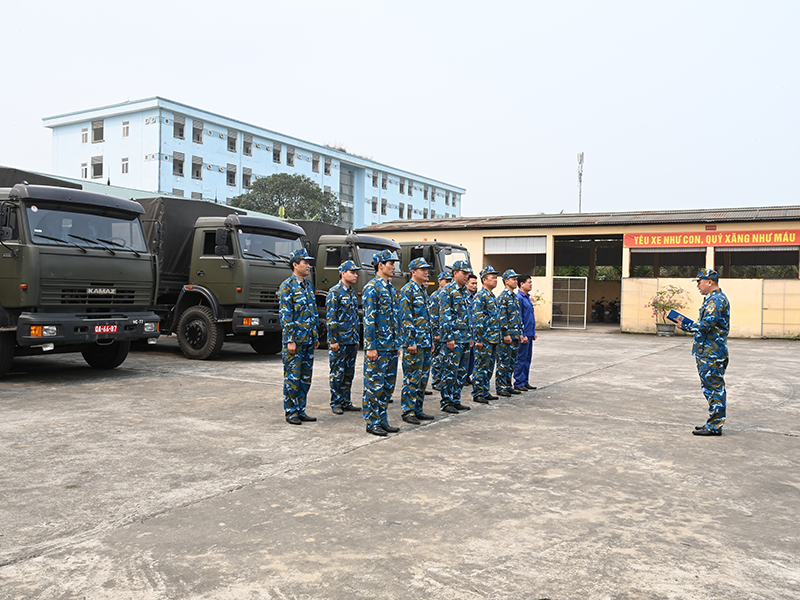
(675, 105)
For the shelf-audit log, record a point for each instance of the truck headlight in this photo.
(150, 327)
(50, 330)
(251, 321)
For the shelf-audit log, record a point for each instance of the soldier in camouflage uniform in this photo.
(417, 340)
(381, 342)
(456, 337)
(299, 323)
(445, 277)
(511, 330)
(341, 315)
(486, 331)
(710, 348)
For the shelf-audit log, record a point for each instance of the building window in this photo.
(425, 193)
(247, 178)
(433, 214)
(374, 179)
(383, 206)
(231, 179)
(433, 194)
(424, 213)
(232, 135)
(375, 205)
(401, 212)
(410, 212)
(178, 159)
(402, 187)
(85, 170)
(447, 198)
(384, 181)
(276, 153)
(126, 129)
(247, 145)
(327, 166)
(410, 189)
(179, 127)
(197, 167)
(97, 131)
(315, 163)
(85, 135)
(197, 131)
(124, 166)
(327, 189)
(290, 157)
(177, 192)
(197, 196)
(97, 167)
(455, 199)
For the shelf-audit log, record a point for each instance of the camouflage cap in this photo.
(348, 265)
(462, 265)
(709, 274)
(382, 257)
(509, 273)
(488, 270)
(300, 254)
(445, 275)
(418, 263)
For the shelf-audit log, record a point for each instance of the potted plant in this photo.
(670, 298)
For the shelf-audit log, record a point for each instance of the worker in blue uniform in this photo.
(299, 325)
(710, 348)
(341, 317)
(525, 354)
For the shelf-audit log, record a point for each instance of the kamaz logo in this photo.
(100, 291)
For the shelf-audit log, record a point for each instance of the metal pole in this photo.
(580, 179)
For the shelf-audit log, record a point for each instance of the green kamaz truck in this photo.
(219, 274)
(76, 275)
(440, 255)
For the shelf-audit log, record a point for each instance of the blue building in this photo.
(165, 147)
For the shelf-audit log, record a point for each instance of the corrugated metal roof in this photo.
(651, 217)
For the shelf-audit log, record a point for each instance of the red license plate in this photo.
(105, 329)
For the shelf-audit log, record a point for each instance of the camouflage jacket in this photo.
(510, 318)
(415, 317)
(298, 311)
(454, 314)
(381, 316)
(486, 318)
(712, 327)
(341, 315)
(433, 307)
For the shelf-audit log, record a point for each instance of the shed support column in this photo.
(710, 257)
(626, 262)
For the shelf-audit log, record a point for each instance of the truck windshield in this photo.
(448, 256)
(59, 225)
(267, 245)
(365, 254)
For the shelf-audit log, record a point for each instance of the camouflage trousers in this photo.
(454, 372)
(506, 362)
(297, 369)
(380, 376)
(485, 358)
(416, 368)
(436, 366)
(712, 373)
(343, 366)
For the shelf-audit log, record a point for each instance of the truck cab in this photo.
(440, 255)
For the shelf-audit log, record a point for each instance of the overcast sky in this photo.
(682, 104)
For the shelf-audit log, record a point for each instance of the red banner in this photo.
(701, 239)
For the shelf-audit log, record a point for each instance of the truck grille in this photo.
(263, 297)
(94, 294)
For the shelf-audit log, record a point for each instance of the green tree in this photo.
(291, 197)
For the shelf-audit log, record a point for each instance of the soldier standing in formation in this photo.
(415, 321)
(445, 277)
(341, 314)
(300, 323)
(456, 337)
(511, 330)
(381, 342)
(486, 317)
(472, 290)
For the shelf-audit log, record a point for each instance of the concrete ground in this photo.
(169, 478)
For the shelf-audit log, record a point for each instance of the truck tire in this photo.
(7, 348)
(108, 356)
(198, 335)
(269, 344)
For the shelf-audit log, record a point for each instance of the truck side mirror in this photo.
(5, 233)
(221, 242)
(3, 213)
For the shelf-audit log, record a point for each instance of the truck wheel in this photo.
(109, 356)
(7, 347)
(269, 344)
(198, 335)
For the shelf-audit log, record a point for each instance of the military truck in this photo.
(219, 274)
(440, 255)
(76, 275)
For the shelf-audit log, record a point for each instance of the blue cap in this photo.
(300, 254)
(488, 270)
(462, 265)
(709, 274)
(418, 263)
(382, 257)
(445, 275)
(509, 273)
(348, 265)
